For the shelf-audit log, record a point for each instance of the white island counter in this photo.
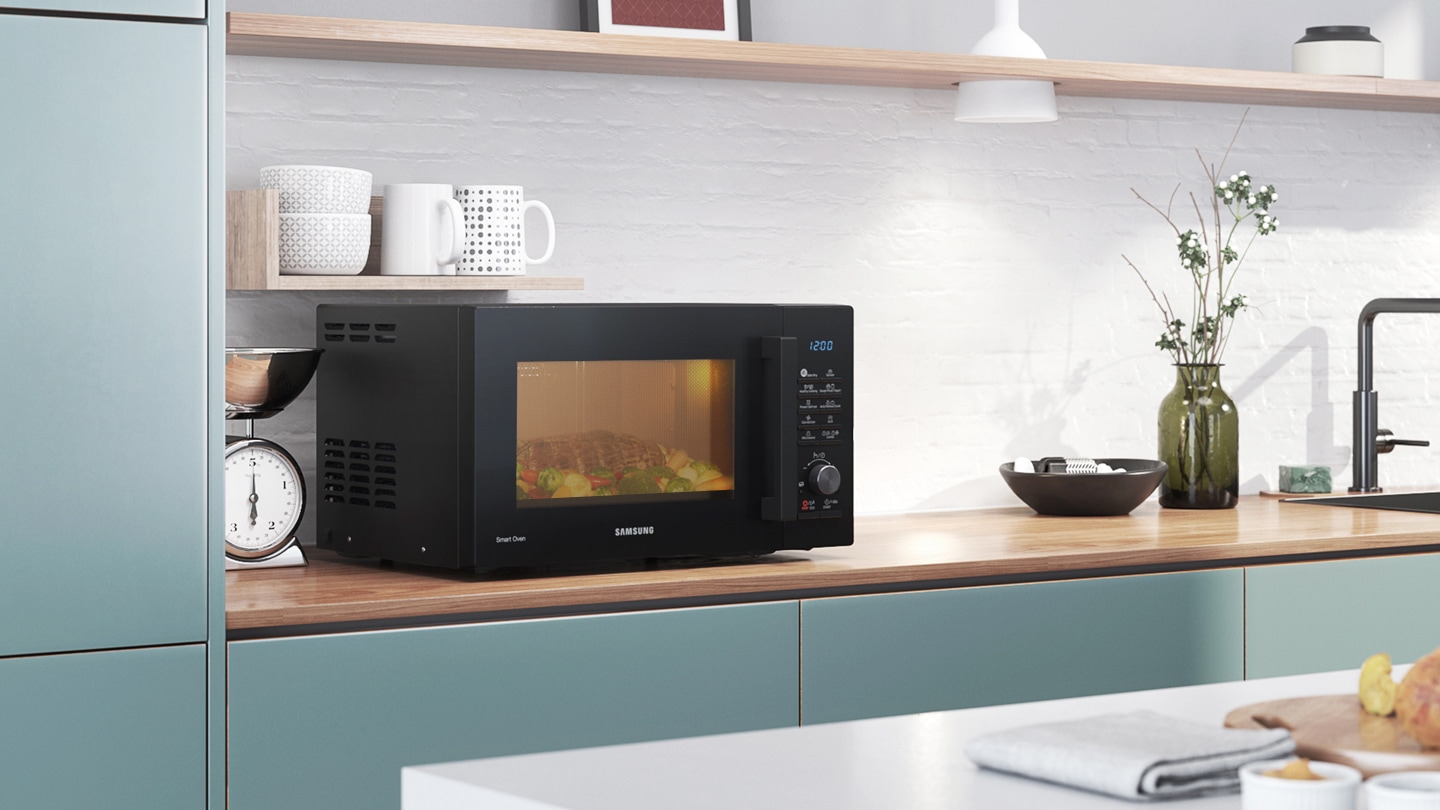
(912, 762)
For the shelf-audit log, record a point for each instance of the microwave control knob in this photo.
(823, 478)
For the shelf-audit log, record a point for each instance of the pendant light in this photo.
(1006, 101)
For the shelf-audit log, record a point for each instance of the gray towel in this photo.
(1138, 755)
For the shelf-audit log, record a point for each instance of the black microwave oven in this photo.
(635, 432)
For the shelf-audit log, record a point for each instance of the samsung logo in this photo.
(633, 530)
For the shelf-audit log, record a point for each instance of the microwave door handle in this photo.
(779, 354)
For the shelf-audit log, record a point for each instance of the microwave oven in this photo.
(635, 432)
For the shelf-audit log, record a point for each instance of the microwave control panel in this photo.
(815, 361)
(820, 432)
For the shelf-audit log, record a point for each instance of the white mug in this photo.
(495, 230)
(413, 239)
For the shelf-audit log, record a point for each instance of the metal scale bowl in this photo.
(264, 488)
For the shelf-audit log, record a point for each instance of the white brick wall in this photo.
(994, 315)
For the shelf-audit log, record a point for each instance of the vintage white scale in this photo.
(264, 488)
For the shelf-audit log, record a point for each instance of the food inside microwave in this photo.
(602, 463)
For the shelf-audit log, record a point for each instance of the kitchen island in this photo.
(385, 667)
(915, 762)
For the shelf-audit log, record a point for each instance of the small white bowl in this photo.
(1337, 791)
(324, 244)
(319, 189)
(1404, 790)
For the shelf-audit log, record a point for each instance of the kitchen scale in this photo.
(264, 488)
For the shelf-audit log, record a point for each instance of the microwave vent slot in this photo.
(350, 473)
(360, 332)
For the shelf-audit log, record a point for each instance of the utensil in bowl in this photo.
(1087, 495)
(259, 383)
(319, 189)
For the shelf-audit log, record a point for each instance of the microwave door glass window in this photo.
(624, 431)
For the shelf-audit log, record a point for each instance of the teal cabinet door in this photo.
(103, 318)
(1322, 616)
(120, 730)
(869, 656)
(191, 9)
(328, 721)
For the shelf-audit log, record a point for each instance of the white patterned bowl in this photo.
(319, 189)
(324, 244)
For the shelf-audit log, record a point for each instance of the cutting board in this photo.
(1333, 728)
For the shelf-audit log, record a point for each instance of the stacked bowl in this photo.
(324, 218)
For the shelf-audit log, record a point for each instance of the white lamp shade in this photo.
(1006, 101)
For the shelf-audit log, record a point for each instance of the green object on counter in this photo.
(1200, 441)
(1314, 478)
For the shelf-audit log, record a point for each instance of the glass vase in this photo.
(1200, 441)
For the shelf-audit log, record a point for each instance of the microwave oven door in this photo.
(618, 432)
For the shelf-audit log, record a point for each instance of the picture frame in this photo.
(692, 19)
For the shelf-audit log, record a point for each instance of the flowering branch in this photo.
(1211, 262)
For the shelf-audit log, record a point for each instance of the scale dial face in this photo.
(264, 499)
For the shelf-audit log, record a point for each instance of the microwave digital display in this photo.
(624, 431)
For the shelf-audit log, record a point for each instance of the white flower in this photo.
(1251, 200)
(1229, 195)
(1234, 178)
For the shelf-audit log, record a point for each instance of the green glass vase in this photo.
(1200, 441)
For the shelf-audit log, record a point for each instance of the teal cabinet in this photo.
(103, 315)
(1322, 616)
(120, 730)
(328, 721)
(869, 656)
(192, 9)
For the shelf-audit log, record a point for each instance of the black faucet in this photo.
(1370, 440)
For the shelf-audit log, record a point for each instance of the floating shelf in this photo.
(541, 49)
(252, 256)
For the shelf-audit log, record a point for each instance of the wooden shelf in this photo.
(540, 49)
(252, 257)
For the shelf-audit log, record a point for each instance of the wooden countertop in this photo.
(891, 553)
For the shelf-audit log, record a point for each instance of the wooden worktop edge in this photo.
(334, 591)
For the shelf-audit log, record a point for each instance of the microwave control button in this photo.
(823, 478)
(808, 419)
(809, 437)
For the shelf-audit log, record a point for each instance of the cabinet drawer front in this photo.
(870, 656)
(328, 721)
(123, 729)
(1322, 616)
(103, 313)
(180, 9)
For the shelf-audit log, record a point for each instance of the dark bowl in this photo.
(1098, 494)
(259, 383)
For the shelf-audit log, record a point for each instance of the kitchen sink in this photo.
(1399, 501)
